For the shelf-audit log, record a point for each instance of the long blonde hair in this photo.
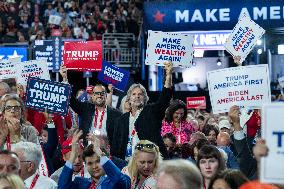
(14, 180)
(132, 165)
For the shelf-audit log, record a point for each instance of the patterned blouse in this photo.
(181, 133)
(149, 183)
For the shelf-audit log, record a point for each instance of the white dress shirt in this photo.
(42, 181)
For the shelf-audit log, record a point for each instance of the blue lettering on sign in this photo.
(279, 135)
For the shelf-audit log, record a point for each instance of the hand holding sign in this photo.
(234, 115)
(168, 69)
(243, 38)
(63, 72)
(260, 149)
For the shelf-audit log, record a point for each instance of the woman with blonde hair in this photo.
(143, 165)
(11, 181)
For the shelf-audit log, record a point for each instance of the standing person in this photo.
(104, 174)
(95, 117)
(11, 181)
(143, 122)
(30, 157)
(143, 165)
(175, 122)
(210, 162)
(180, 174)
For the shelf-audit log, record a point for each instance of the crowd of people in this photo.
(26, 21)
(161, 145)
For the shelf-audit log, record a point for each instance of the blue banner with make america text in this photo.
(203, 15)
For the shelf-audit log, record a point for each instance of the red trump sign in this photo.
(196, 102)
(83, 55)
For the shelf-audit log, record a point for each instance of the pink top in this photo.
(181, 133)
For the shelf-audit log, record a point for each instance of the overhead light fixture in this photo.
(281, 49)
(259, 42)
(259, 51)
(198, 53)
(219, 62)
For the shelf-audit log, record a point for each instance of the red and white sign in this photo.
(196, 102)
(83, 55)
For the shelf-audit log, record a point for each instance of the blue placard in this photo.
(114, 75)
(211, 15)
(10, 52)
(44, 94)
(57, 53)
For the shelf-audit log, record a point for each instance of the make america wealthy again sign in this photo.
(247, 86)
(48, 95)
(175, 47)
(243, 37)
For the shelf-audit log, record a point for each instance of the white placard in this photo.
(243, 37)
(8, 68)
(54, 19)
(247, 86)
(32, 68)
(272, 130)
(175, 47)
(281, 82)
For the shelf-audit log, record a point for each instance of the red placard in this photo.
(83, 55)
(196, 102)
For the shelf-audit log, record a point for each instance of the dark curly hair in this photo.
(174, 106)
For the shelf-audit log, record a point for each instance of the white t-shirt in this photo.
(47, 182)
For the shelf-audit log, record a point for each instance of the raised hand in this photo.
(234, 115)
(260, 149)
(75, 145)
(96, 144)
(169, 69)
(63, 72)
(237, 60)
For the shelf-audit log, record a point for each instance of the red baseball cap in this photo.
(67, 145)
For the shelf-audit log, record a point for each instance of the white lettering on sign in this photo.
(223, 14)
(210, 39)
(82, 55)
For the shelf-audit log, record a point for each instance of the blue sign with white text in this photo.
(211, 15)
(114, 75)
(13, 52)
(48, 95)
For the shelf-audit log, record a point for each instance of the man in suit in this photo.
(95, 117)
(144, 121)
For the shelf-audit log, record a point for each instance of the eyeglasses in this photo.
(16, 108)
(102, 93)
(25, 161)
(142, 146)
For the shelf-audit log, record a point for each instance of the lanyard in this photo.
(34, 181)
(8, 142)
(177, 133)
(82, 171)
(101, 119)
(93, 185)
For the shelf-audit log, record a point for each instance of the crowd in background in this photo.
(26, 21)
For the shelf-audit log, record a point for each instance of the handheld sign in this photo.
(196, 102)
(54, 19)
(32, 68)
(114, 75)
(83, 55)
(7, 69)
(175, 47)
(48, 95)
(247, 86)
(272, 130)
(243, 38)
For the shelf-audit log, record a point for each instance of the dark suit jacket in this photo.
(86, 111)
(148, 126)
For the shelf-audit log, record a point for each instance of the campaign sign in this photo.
(247, 86)
(243, 37)
(281, 82)
(114, 75)
(175, 47)
(32, 68)
(196, 102)
(48, 95)
(8, 68)
(272, 130)
(83, 55)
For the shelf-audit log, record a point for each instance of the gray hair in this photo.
(137, 85)
(185, 173)
(32, 151)
(5, 86)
